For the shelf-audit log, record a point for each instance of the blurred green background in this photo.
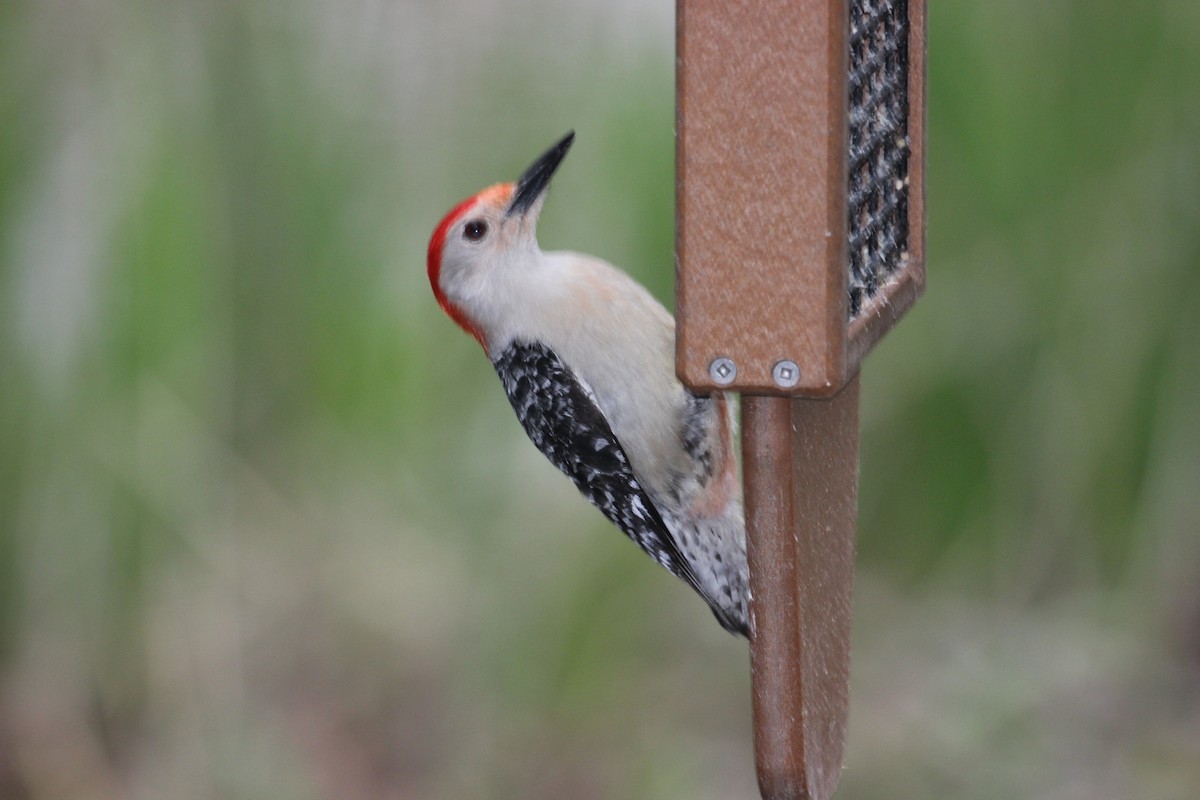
(268, 527)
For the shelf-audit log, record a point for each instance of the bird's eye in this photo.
(475, 230)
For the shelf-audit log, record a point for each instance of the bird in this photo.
(585, 355)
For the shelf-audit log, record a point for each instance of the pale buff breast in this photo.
(621, 342)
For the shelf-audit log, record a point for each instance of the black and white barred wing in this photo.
(562, 419)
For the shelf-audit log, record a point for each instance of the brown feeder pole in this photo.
(800, 241)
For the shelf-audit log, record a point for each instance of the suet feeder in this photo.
(800, 242)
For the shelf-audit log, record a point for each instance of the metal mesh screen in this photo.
(878, 169)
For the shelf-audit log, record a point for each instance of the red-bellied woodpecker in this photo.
(587, 358)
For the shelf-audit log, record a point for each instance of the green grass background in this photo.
(269, 529)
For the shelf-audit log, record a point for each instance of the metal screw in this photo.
(786, 374)
(722, 370)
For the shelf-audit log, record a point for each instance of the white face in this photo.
(484, 253)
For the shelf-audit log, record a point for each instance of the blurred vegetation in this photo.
(269, 529)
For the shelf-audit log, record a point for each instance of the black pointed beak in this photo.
(532, 184)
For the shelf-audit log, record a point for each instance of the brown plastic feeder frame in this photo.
(762, 278)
